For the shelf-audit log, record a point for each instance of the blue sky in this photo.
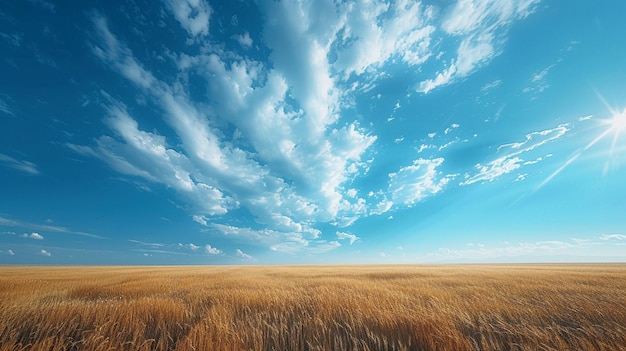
(274, 132)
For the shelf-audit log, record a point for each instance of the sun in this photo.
(617, 124)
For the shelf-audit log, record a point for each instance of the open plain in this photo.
(425, 307)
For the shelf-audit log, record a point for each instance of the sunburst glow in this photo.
(618, 122)
(616, 125)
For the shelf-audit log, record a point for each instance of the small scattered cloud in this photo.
(45, 253)
(282, 241)
(10, 252)
(5, 107)
(511, 159)
(190, 246)
(200, 219)
(44, 4)
(612, 237)
(349, 236)
(352, 193)
(492, 85)
(20, 165)
(574, 247)
(14, 39)
(35, 236)
(538, 81)
(146, 244)
(193, 15)
(244, 255)
(323, 246)
(481, 251)
(449, 143)
(572, 45)
(425, 147)
(212, 250)
(481, 27)
(244, 40)
(413, 183)
(193, 247)
(452, 126)
(493, 170)
(539, 76)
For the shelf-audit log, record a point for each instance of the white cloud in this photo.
(482, 25)
(6, 108)
(343, 235)
(212, 250)
(10, 252)
(541, 75)
(146, 155)
(269, 136)
(36, 236)
(414, 183)
(300, 145)
(449, 129)
(511, 159)
(612, 237)
(493, 169)
(492, 85)
(448, 144)
(323, 246)
(244, 40)
(351, 193)
(45, 253)
(193, 15)
(44, 4)
(442, 78)
(537, 248)
(382, 206)
(200, 219)
(244, 255)
(536, 139)
(190, 246)
(147, 244)
(426, 147)
(193, 247)
(371, 33)
(14, 39)
(46, 228)
(469, 16)
(276, 240)
(22, 166)
(538, 81)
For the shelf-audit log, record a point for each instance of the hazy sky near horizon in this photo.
(270, 132)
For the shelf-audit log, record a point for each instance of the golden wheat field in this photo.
(461, 307)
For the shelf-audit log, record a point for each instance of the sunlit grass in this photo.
(515, 307)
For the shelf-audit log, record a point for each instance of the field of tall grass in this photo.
(465, 307)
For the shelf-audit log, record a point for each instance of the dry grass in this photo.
(515, 307)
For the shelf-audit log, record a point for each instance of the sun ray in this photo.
(616, 125)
